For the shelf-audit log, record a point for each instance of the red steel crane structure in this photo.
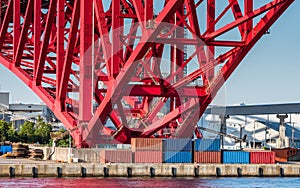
(149, 68)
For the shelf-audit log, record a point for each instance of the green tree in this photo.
(12, 135)
(26, 132)
(65, 141)
(4, 127)
(42, 131)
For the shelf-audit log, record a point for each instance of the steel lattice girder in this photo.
(92, 62)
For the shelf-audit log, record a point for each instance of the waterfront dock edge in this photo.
(151, 170)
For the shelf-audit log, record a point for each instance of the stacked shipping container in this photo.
(207, 157)
(207, 151)
(235, 157)
(157, 150)
(146, 144)
(147, 150)
(207, 145)
(116, 156)
(262, 157)
(177, 150)
(177, 156)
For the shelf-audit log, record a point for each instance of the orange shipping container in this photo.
(207, 157)
(263, 157)
(146, 144)
(148, 157)
(116, 156)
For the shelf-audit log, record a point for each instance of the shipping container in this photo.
(207, 145)
(178, 144)
(177, 157)
(5, 149)
(235, 157)
(116, 156)
(207, 157)
(262, 157)
(146, 144)
(148, 157)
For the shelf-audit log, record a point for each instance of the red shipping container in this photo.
(116, 156)
(207, 157)
(146, 144)
(148, 157)
(262, 157)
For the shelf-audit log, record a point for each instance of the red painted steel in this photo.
(116, 156)
(207, 157)
(148, 157)
(262, 157)
(282, 155)
(97, 62)
(149, 144)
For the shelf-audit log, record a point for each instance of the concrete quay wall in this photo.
(133, 170)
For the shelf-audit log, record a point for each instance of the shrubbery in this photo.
(30, 132)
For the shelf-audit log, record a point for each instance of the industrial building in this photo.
(274, 125)
(17, 113)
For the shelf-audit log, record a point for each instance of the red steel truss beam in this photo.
(17, 25)
(62, 93)
(60, 42)
(43, 52)
(37, 32)
(105, 107)
(5, 23)
(85, 87)
(243, 19)
(24, 34)
(236, 58)
(126, 80)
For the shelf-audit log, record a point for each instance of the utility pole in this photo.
(241, 134)
(223, 128)
(266, 132)
(254, 134)
(293, 135)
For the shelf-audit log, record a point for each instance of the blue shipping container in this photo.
(178, 144)
(207, 145)
(177, 157)
(235, 157)
(5, 149)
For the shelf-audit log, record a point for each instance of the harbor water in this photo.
(151, 182)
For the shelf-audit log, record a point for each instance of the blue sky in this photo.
(269, 74)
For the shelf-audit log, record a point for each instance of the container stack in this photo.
(177, 150)
(207, 151)
(115, 156)
(235, 157)
(147, 150)
(262, 157)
